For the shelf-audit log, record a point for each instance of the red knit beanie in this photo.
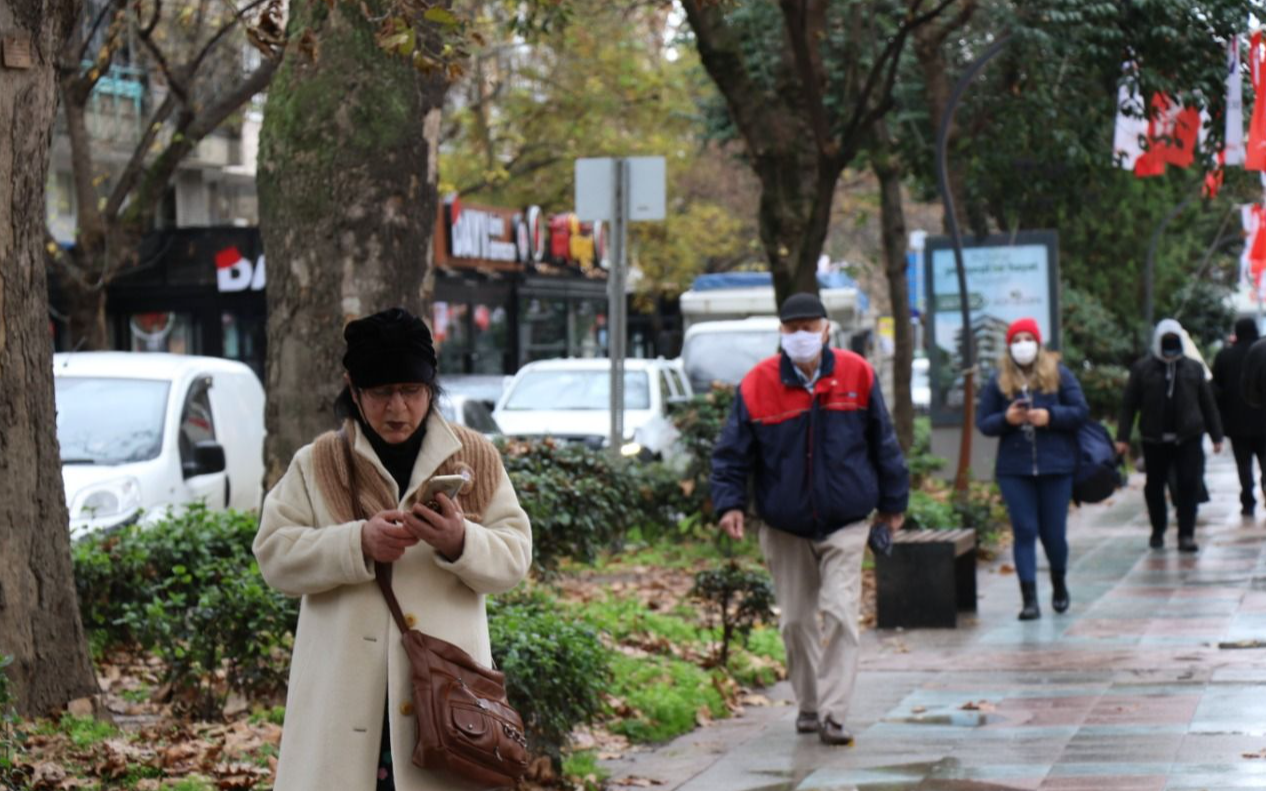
(1024, 325)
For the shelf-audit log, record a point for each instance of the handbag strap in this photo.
(382, 571)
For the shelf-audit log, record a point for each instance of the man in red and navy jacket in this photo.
(810, 426)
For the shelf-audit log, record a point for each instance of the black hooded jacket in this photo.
(1239, 418)
(1152, 379)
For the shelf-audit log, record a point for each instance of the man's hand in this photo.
(1217, 447)
(732, 524)
(384, 539)
(1040, 417)
(1123, 449)
(893, 521)
(444, 529)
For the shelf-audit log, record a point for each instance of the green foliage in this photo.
(927, 512)
(580, 502)
(1092, 334)
(556, 668)
(1204, 310)
(11, 736)
(583, 768)
(920, 460)
(665, 696)
(736, 599)
(82, 731)
(700, 421)
(188, 589)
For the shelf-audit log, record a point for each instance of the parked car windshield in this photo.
(110, 421)
(725, 356)
(575, 390)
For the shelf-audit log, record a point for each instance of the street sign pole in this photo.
(619, 190)
(616, 304)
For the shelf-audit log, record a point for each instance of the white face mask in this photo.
(802, 346)
(1024, 352)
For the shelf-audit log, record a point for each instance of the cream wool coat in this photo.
(347, 651)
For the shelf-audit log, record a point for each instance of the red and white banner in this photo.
(1234, 140)
(1253, 259)
(1170, 136)
(1255, 151)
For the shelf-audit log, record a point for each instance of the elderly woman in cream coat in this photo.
(350, 723)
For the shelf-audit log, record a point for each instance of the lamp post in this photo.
(947, 196)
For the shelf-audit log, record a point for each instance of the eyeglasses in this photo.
(384, 395)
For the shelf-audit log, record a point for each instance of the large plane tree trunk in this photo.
(347, 192)
(39, 614)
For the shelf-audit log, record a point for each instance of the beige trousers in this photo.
(812, 576)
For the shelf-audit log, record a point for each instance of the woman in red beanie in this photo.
(1034, 405)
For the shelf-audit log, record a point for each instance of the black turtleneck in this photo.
(398, 458)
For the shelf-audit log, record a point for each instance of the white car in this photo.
(142, 432)
(724, 351)
(569, 400)
(468, 411)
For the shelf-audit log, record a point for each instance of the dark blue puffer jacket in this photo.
(1053, 448)
(821, 460)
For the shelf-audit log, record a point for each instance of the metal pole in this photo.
(616, 307)
(942, 175)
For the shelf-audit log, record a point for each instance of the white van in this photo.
(142, 432)
(724, 351)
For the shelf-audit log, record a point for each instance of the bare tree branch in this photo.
(806, 22)
(174, 83)
(225, 28)
(127, 181)
(87, 40)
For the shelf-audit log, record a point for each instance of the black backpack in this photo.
(1098, 472)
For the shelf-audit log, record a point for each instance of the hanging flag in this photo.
(1255, 151)
(1253, 259)
(1234, 146)
(1214, 178)
(1131, 128)
(1173, 131)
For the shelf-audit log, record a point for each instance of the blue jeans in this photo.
(1038, 505)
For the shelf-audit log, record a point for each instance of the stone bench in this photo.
(928, 580)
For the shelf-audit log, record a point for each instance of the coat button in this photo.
(406, 708)
(410, 620)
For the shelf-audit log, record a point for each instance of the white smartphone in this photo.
(448, 484)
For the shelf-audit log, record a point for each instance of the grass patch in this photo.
(628, 618)
(665, 694)
(82, 731)
(275, 715)
(583, 767)
(189, 784)
(139, 695)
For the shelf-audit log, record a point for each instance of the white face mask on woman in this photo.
(802, 346)
(1024, 352)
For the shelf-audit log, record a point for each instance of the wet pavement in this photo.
(1154, 680)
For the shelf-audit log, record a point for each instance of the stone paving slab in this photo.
(1137, 688)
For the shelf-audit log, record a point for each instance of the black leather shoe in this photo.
(1030, 611)
(1187, 544)
(1059, 596)
(1157, 541)
(808, 722)
(833, 733)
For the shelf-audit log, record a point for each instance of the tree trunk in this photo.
(39, 614)
(893, 225)
(85, 309)
(347, 193)
(795, 215)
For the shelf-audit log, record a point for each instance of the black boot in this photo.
(1157, 541)
(1031, 611)
(1187, 544)
(1059, 596)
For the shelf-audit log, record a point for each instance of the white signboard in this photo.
(595, 188)
(1008, 278)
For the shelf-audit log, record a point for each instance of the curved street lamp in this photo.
(947, 196)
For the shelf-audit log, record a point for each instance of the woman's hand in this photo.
(1040, 417)
(384, 538)
(444, 529)
(1017, 413)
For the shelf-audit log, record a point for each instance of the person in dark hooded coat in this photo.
(1168, 393)
(1243, 423)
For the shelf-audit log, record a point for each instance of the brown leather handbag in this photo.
(466, 725)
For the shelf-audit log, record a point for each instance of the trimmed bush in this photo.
(556, 668)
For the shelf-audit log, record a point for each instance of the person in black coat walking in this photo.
(1245, 425)
(1174, 402)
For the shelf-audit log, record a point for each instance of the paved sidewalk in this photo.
(1128, 691)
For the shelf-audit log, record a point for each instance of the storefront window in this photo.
(449, 329)
(243, 338)
(589, 320)
(176, 333)
(543, 329)
(492, 339)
